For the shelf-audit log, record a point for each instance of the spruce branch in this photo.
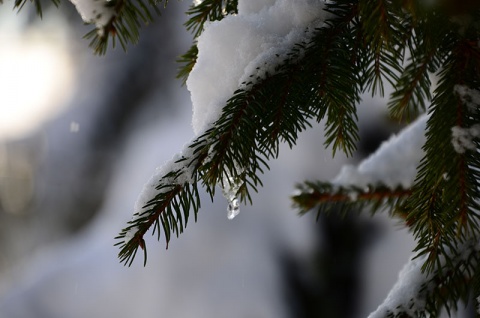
(19, 4)
(207, 10)
(337, 79)
(123, 22)
(317, 79)
(124, 25)
(253, 123)
(444, 208)
(322, 78)
(175, 192)
(187, 62)
(362, 45)
(382, 32)
(421, 294)
(329, 197)
(413, 89)
(383, 180)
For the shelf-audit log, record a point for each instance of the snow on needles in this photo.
(410, 292)
(393, 164)
(463, 137)
(405, 294)
(231, 50)
(99, 12)
(150, 189)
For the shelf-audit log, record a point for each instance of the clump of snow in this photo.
(410, 292)
(130, 234)
(233, 49)
(478, 302)
(462, 138)
(405, 294)
(470, 97)
(100, 12)
(393, 164)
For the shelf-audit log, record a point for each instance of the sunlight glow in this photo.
(36, 78)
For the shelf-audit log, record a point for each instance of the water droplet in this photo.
(233, 208)
(231, 185)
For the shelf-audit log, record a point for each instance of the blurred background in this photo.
(80, 135)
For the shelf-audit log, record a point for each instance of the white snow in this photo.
(462, 138)
(130, 234)
(404, 296)
(230, 50)
(409, 293)
(478, 301)
(393, 164)
(99, 12)
(149, 189)
(470, 97)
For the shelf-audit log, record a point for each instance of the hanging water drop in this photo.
(230, 187)
(233, 208)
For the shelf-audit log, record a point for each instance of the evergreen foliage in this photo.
(37, 3)
(208, 10)
(125, 24)
(363, 45)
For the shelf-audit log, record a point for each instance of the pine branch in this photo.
(421, 294)
(19, 4)
(336, 79)
(382, 31)
(384, 179)
(176, 191)
(360, 48)
(207, 10)
(114, 19)
(329, 197)
(444, 207)
(322, 78)
(187, 62)
(124, 25)
(248, 133)
(412, 89)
